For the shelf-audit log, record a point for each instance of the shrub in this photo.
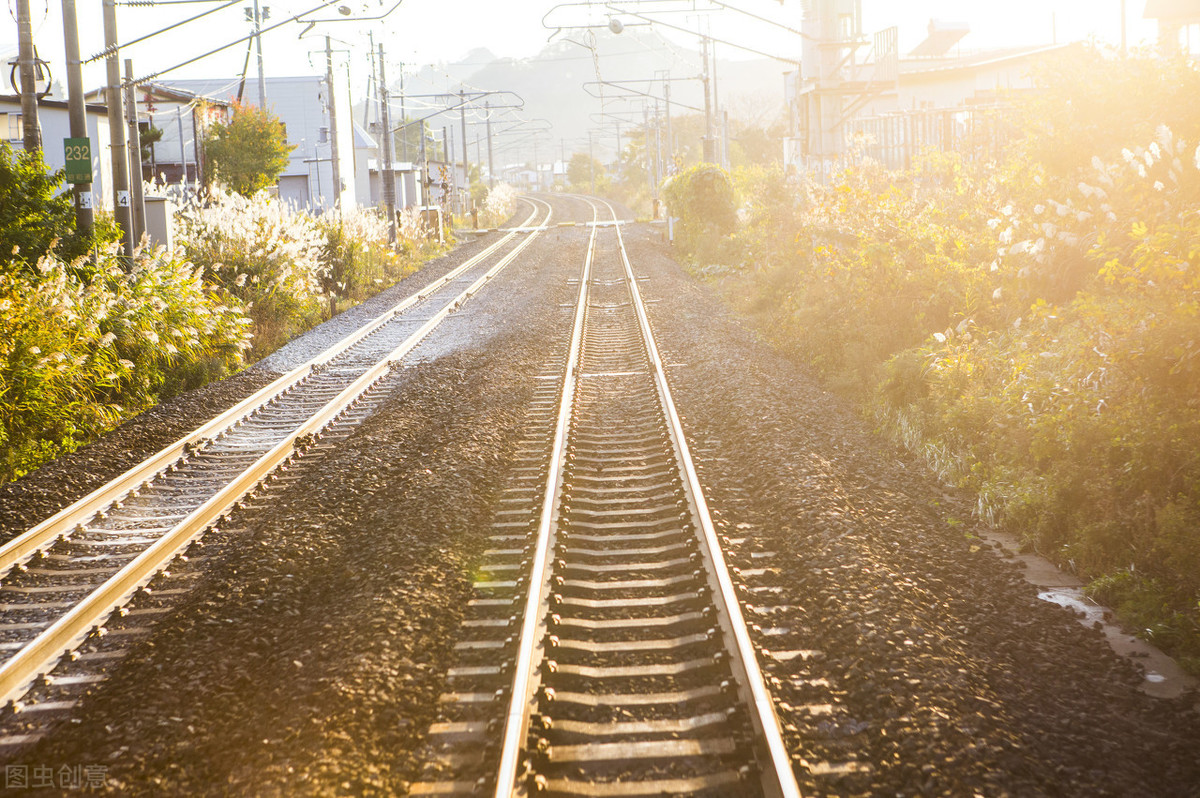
(35, 220)
(264, 254)
(1031, 327)
(79, 355)
(704, 201)
(357, 259)
(498, 205)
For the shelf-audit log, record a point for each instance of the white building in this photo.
(855, 88)
(55, 124)
(303, 106)
(182, 116)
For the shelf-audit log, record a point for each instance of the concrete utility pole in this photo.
(670, 140)
(462, 96)
(76, 111)
(27, 62)
(403, 118)
(116, 129)
(491, 169)
(425, 182)
(389, 181)
(710, 154)
(138, 207)
(262, 80)
(333, 130)
(716, 107)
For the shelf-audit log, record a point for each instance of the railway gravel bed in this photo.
(956, 680)
(308, 657)
(26, 501)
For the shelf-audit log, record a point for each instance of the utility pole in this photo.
(138, 208)
(646, 150)
(28, 64)
(333, 130)
(670, 140)
(262, 80)
(403, 118)
(76, 111)
(720, 143)
(591, 162)
(389, 184)
(488, 120)
(462, 96)
(425, 182)
(116, 128)
(709, 150)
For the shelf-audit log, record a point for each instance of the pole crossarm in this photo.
(632, 92)
(470, 99)
(650, 15)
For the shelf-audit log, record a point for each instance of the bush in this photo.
(704, 201)
(1031, 327)
(498, 205)
(264, 254)
(35, 221)
(357, 259)
(77, 356)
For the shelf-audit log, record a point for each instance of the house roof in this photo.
(1173, 10)
(167, 93)
(362, 139)
(925, 67)
(14, 99)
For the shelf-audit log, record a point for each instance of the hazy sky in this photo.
(430, 31)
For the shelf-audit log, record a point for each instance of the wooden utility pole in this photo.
(116, 129)
(76, 111)
(27, 63)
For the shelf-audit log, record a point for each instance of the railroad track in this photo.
(606, 653)
(61, 580)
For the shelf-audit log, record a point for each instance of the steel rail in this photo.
(743, 650)
(47, 532)
(40, 654)
(516, 721)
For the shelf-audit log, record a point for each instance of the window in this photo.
(11, 128)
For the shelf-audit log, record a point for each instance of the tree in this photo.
(249, 153)
(580, 172)
(34, 218)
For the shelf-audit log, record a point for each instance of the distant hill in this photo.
(551, 84)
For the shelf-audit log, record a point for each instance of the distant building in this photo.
(53, 118)
(369, 179)
(303, 106)
(845, 104)
(1175, 18)
(182, 116)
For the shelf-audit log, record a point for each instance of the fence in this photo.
(895, 139)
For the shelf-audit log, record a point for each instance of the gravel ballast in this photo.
(309, 656)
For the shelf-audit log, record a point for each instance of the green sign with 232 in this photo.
(79, 160)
